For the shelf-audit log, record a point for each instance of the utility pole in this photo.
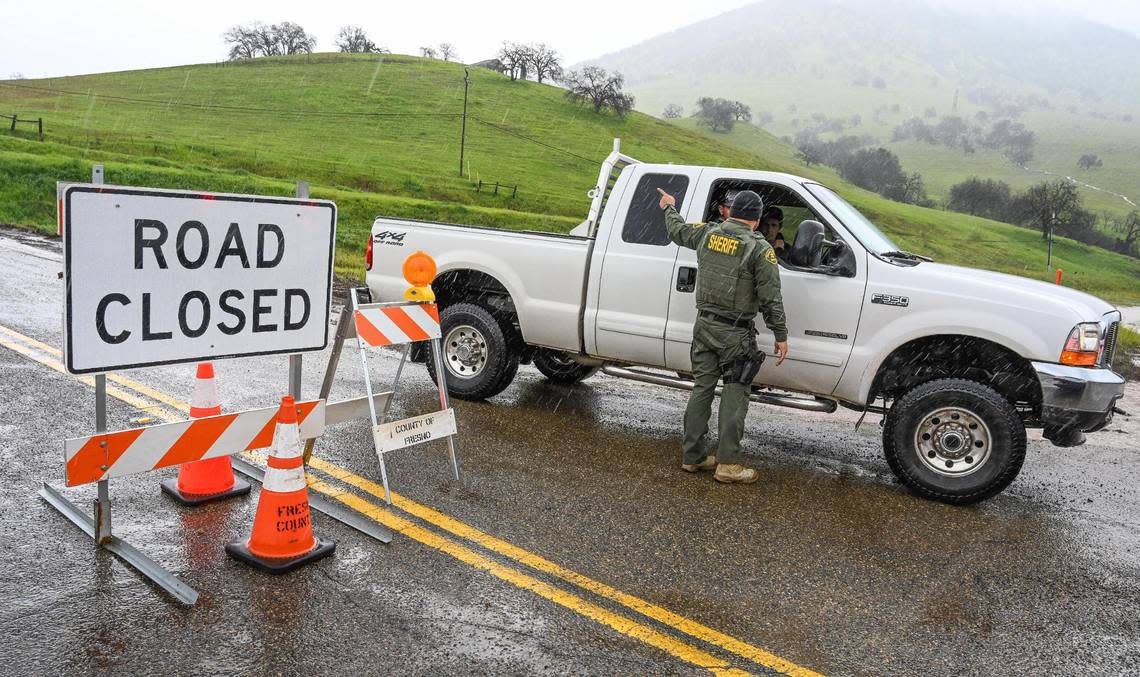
(463, 133)
(1052, 225)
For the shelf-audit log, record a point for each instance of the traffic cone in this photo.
(211, 479)
(282, 537)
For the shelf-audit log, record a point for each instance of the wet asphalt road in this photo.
(826, 562)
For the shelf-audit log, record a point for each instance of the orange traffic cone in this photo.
(213, 478)
(282, 537)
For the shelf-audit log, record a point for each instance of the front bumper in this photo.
(1076, 399)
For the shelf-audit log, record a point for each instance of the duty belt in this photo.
(742, 323)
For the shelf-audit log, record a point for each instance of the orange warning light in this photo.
(419, 271)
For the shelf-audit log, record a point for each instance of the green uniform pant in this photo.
(715, 343)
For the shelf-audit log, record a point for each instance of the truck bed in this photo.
(543, 272)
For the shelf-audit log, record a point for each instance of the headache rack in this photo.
(600, 194)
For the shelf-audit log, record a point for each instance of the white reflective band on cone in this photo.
(284, 481)
(286, 441)
(286, 445)
(205, 394)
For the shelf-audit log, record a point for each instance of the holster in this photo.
(744, 368)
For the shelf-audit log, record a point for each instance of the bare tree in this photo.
(265, 37)
(259, 39)
(600, 88)
(447, 51)
(717, 114)
(244, 41)
(543, 61)
(672, 112)
(353, 40)
(428, 52)
(810, 154)
(1131, 229)
(1050, 203)
(1090, 161)
(514, 59)
(292, 39)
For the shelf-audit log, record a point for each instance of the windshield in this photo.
(867, 232)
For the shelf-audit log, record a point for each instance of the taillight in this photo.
(368, 254)
(1084, 345)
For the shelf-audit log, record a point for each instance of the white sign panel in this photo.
(416, 430)
(161, 276)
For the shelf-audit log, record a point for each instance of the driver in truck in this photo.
(723, 207)
(738, 277)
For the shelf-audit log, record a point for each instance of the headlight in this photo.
(1084, 345)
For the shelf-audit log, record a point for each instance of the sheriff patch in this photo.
(723, 244)
(770, 256)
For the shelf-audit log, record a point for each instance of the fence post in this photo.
(514, 191)
(14, 116)
(41, 123)
(496, 188)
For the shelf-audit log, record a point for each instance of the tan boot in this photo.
(708, 464)
(731, 473)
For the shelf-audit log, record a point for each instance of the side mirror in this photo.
(842, 262)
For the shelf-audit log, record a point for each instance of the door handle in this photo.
(686, 279)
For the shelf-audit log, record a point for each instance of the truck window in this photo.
(644, 221)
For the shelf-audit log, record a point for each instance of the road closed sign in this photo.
(161, 276)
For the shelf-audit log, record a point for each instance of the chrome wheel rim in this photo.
(465, 351)
(953, 442)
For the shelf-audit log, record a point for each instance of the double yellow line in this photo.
(159, 404)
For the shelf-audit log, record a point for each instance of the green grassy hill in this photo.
(1074, 83)
(950, 237)
(380, 135)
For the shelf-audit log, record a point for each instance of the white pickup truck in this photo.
(959, 361)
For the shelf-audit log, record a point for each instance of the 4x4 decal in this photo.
(389, 237)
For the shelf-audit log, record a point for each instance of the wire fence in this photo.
(14, 120)
(300, 112)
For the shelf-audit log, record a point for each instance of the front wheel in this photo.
(479, 360)
(560, 367)
(954, 440)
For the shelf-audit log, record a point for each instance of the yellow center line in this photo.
(676, 621)
(534, 561)
(626, 626)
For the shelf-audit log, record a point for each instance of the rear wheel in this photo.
(478, 357)
(954, 440)
(560, 367)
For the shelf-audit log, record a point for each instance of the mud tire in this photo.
(559, 367)
(1006, 441)
(502, 358)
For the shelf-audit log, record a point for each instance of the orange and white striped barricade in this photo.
(99, 457)
(102, 456)
(387, 324)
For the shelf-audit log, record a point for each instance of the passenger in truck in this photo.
(771, 225)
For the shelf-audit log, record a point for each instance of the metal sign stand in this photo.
(345, 329)
(99, 528)
(295, 359)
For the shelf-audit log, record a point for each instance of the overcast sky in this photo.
(69, 37)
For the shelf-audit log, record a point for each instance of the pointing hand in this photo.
(666, 199)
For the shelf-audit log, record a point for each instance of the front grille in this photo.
(1110, 344)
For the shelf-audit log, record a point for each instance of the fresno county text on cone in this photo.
(282, 537)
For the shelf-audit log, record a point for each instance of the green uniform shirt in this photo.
(738, 275)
